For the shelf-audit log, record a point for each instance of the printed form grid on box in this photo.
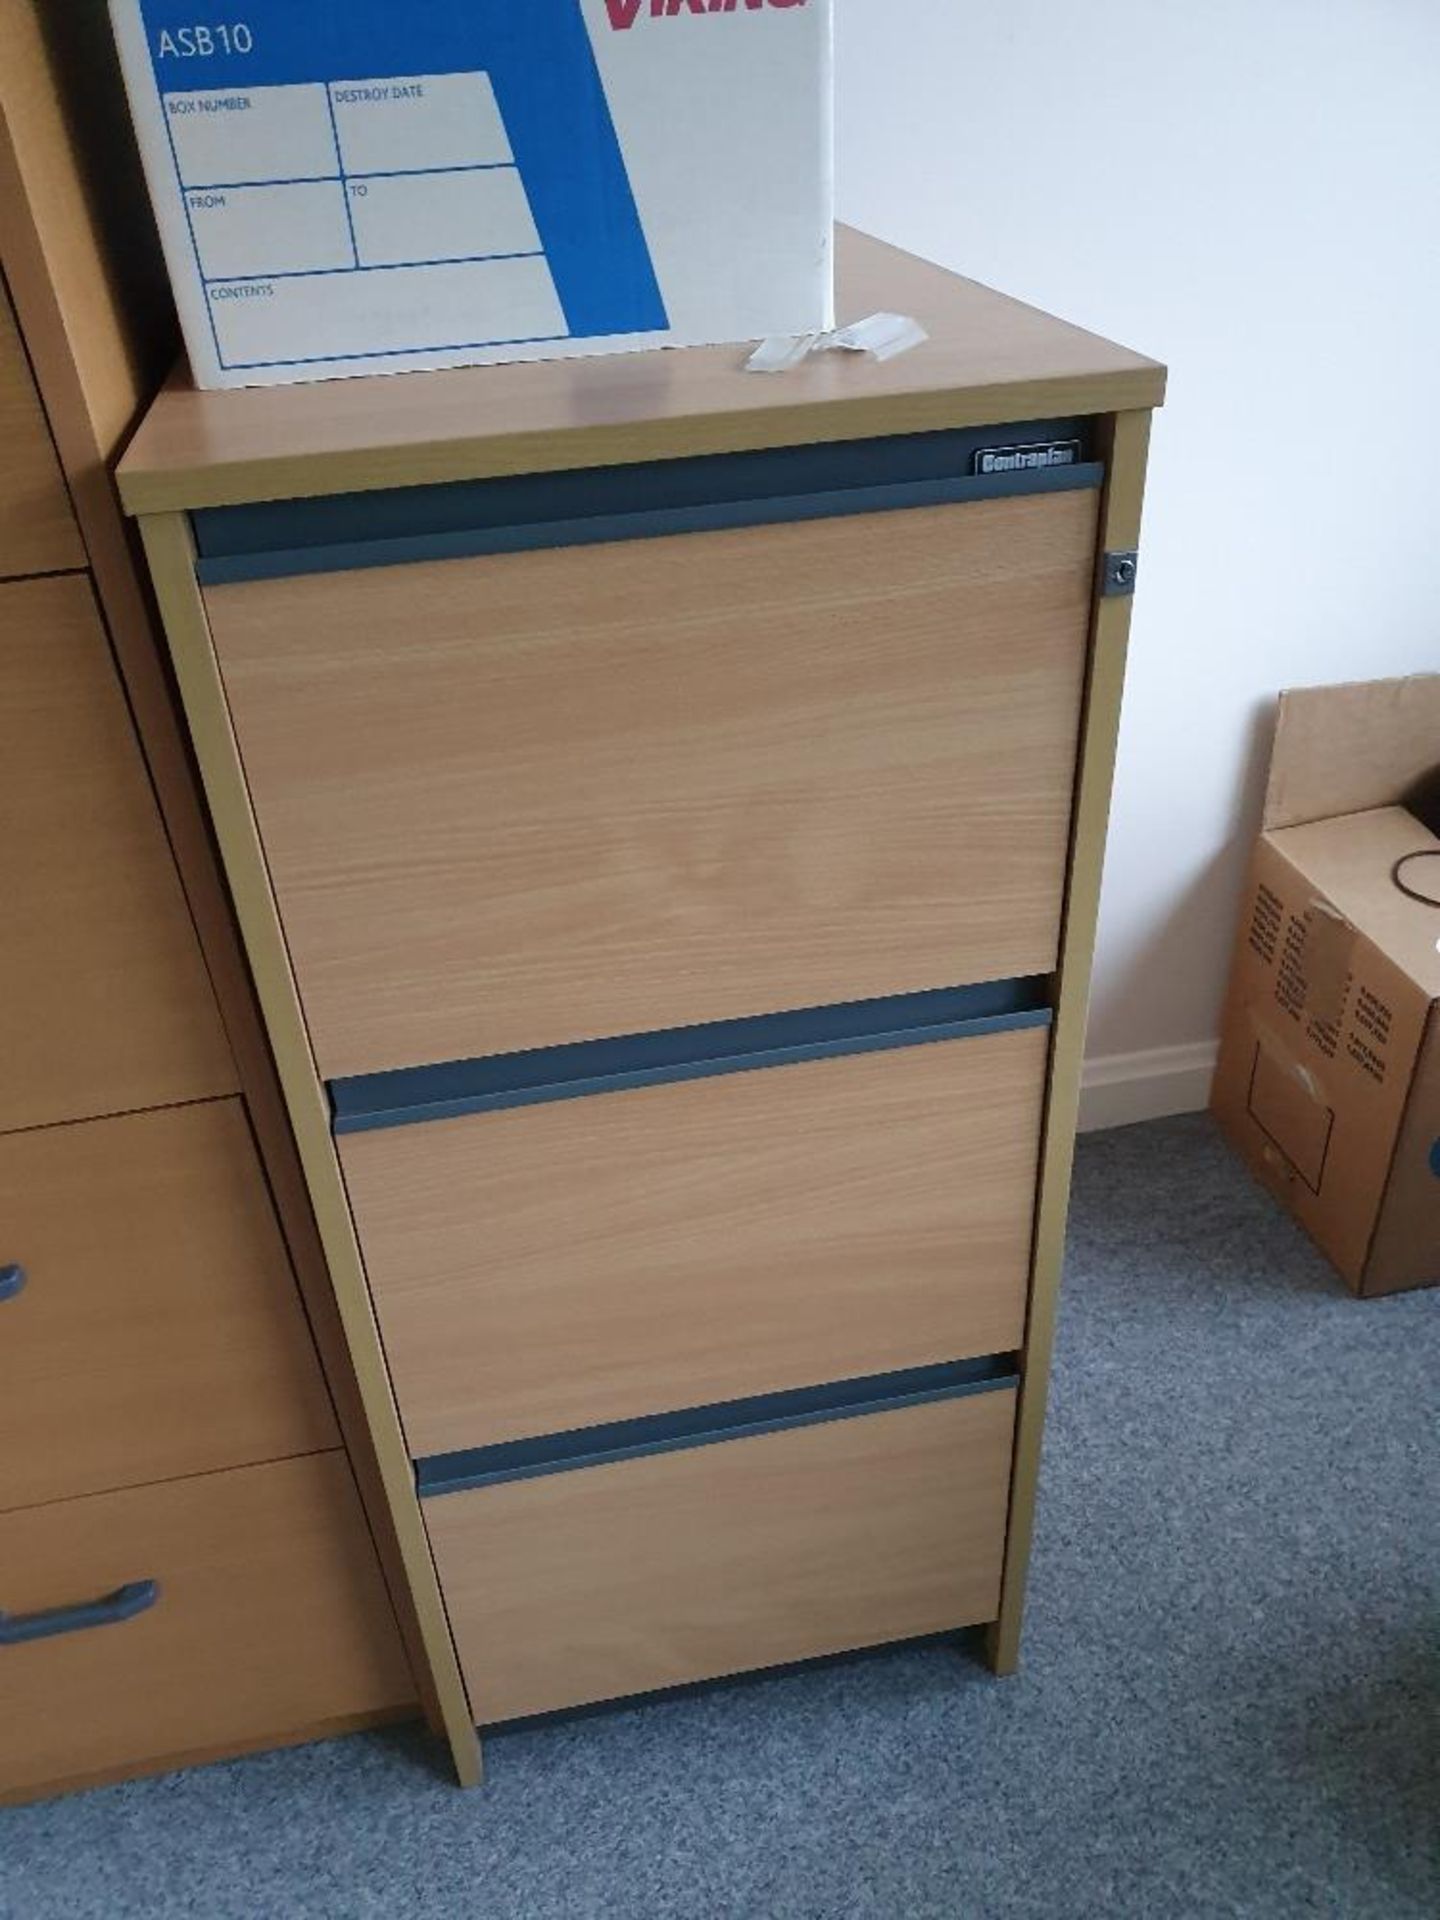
(349, 219)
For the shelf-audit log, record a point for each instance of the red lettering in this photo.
(624, 13)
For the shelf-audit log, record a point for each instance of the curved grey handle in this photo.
(12, 1281)
(138, 1597)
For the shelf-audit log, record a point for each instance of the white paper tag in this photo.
(884, 336)
(781, 352)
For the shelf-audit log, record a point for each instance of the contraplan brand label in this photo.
(1043, 453)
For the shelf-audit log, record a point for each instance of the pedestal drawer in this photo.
(268, 1621)
(628, 1253)
(531, 798)
(105, 1004)
(153, 1326)
(610, 1580)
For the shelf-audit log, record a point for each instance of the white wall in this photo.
(1250, 191)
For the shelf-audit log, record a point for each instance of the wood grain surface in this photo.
(271, 1618)
(105, 1005)
(38, 533)
(535, 798)
(76, 231)
(988, 359)
(613, 1580)
(159, 1332)
(558, 1266)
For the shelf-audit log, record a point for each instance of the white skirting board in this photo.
(1121, 1088)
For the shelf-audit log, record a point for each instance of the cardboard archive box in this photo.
(1329, 1076)
(374, 186)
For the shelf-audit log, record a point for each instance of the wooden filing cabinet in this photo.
(665, 811)
(186, 1568)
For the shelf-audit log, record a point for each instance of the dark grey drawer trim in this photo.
(401, 526)
(409, 1096)
(463, 1472)
(959, 1640)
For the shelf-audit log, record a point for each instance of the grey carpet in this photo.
(1228, 1705)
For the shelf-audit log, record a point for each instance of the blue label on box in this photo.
(463, 148)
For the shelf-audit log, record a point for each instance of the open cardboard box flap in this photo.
(1349, 749)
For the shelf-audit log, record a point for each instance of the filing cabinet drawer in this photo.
(38, 533)
(531, 798)
(269, 1621)
(595, 1259)
(158, 1330)
(105, 1005)
(617, 1579)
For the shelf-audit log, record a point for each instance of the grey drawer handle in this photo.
(12, 1281)
(138, 1597)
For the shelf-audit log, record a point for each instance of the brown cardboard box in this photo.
(1329, 1074)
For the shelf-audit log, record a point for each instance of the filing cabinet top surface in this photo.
(988, 359)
